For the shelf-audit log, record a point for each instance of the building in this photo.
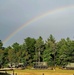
(70, 66)
(19, 65)
(40, 65)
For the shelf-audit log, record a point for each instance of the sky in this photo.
(44, 17)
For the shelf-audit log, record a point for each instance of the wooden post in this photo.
(43, 74)
(13, 72)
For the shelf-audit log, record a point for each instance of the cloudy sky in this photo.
(58, 19)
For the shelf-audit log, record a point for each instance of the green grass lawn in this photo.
(46, 72)
(59, 71)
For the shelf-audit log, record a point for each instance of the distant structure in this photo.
(40, 65)
(19, 65)
(70, 66)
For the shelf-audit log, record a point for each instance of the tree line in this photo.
(36, 50)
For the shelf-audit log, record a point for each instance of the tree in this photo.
(39, 47)
(11, 55)
(16, 46)
(63, 52)
(70, 52)
(1, 44)
(1, 54)
(50, 51)
(15, 50)
(30, 48)
(1, 58)
(35, 50)
(24, 55)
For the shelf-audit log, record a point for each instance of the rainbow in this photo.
(51, 12)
